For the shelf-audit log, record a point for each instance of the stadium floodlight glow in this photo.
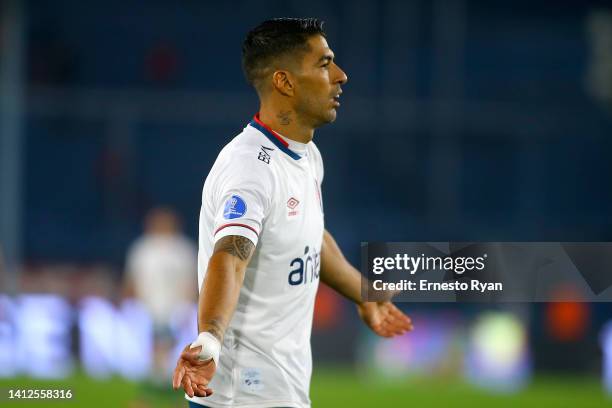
(35, 336)
(606, 346)
(115, 340)
(8, 367)
(428, 351)
(134, 340)
(43, 336)
(498, 357)
(96, 325)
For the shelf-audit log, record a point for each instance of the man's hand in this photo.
(384, 318)
(192, 373)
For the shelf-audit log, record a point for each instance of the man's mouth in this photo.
(336, 98)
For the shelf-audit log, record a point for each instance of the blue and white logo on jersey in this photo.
(235, 207)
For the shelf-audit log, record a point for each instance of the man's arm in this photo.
(382, 317)
(218, 298)
(221, 287)
(337, 272)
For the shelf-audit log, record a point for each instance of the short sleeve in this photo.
(242, 199)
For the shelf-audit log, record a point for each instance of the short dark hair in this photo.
(275, 38)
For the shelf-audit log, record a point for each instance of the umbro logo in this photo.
(292, 203)
(264, 156)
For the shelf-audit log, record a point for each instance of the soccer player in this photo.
(263, 247)
(160, 272)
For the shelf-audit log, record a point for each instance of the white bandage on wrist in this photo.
(211, 347)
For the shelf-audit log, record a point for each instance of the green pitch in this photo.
(335, 387)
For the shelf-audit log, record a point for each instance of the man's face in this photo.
(318, 84)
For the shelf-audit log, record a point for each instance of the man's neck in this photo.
(285, 122)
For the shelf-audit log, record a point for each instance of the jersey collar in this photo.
(274, 137)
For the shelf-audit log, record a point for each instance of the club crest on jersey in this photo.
(235, 207)
(292, 204)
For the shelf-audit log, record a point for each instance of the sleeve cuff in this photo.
(242, 230)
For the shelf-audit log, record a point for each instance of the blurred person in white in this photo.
(161, 273)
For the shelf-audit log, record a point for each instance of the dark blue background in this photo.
(468, 123)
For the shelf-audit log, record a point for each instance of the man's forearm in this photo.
(337, 272)
(221, 287)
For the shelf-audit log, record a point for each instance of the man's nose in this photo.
(342, 78)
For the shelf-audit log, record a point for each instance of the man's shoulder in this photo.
(249, 149)
(247, 159)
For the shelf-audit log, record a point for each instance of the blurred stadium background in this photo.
(462, 120)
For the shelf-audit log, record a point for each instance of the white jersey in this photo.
(163, 270)
(267, 189)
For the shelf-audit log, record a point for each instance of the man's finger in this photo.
(399, 314)
(188, 387)
(177, 378)
(395, 327)
(197, 380)
(396, 317)
(203, 391)
(382, 330)
(398, 324)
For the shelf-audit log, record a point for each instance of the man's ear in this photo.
(283, 82)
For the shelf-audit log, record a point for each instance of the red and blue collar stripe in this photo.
(274, 137)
